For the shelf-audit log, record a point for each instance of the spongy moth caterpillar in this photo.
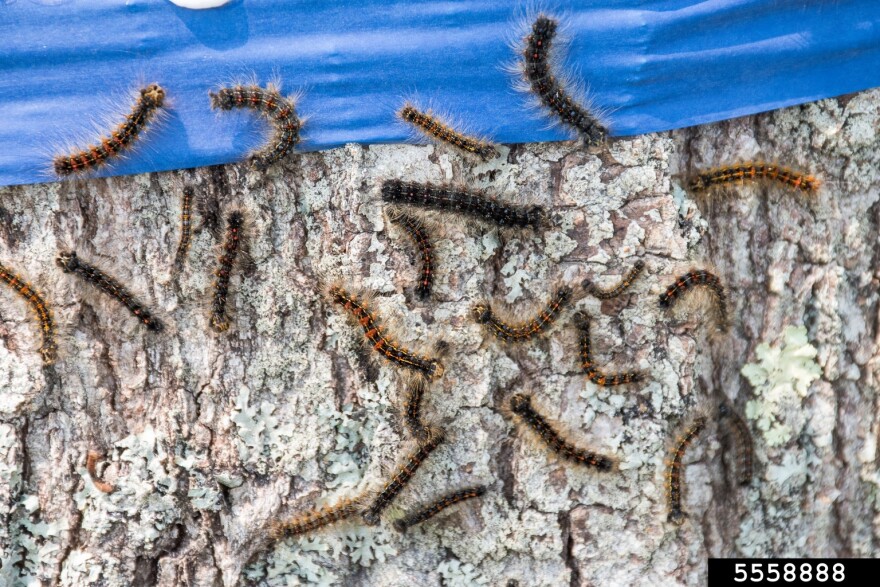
(754, 171)
(186, 202)
(401, 477)
(227, 262)
(744, 442)
(38, 305)
(627, 280)
(582, 321)
(437, 506)
(521, 405)
(432, 126)
(470, 203)
(522, 331)
(70, 263)
(314, 519)
(674, 476)
(92, 467)
(694, 278)
(551, 91)
(277, 109)
(120, 139)
(412, 409)
(388, 348)
(419, 234)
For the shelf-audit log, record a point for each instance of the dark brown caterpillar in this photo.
(582, 322)
(437, 506)
(523, 331)
(121, 138)
(754, 171)
(92, 467)
(312, 520)
(401, 477)
(472, 204)
(48, 349)
(70, 263)
(186, 202)
(691, 279)
(227, 263)
(744, 441)
(419, 234)
(674, 477)
(606, 294)
(431, 368)
(433, 127)
(412, 409)
(521, 405)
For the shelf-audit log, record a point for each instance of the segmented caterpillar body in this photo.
(521, 405)
(754, 171)
(698, 277)
(92, 467)
(624, 284)
(419, 234)
(431, 368)
(472, 204)
(412, 409)
(523, 331)
(744, 442)
(437, 506)
(227, 263)
(277, 109)
(432, 126)
(186, 202)
(48, 349)
(674, 479)
(582, 321)
(312, 520)
(70, 263)
(120, 139)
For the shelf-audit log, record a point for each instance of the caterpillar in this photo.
(745, 443)
(227, 262)
(120, 139)
(312, 520)
(552, 93)
(432, 126)
(419, 234)
(675, 475)
(412, 409)
(41, 309)
(522, 331)
(691, 279)
(186, 202)
(437, 506)
(71, 263)
(92, 467)
(393, 352)
(754, 171)
(472, 204)
(582, 322)
(627, 280)
(278, 110)
(401, 477)
(521, 405)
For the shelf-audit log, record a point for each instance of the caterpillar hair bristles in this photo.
(505, 329)
(421, 236)
(582, 322)
(186, 206)
(49, 347)
(438, 505)
(228, 262)
(739, 173)
(744, 443)
(411, 408)
(427, 123)
(309, 521)
(675, 467)
(620, 287)
(702, 289)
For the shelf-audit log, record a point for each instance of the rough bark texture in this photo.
(209, 438)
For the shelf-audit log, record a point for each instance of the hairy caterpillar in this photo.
(431, 368)
(627, 280)
(431, 125)
(278, 110)
(744, 441)
(753, 171)
(38, 305)
(419, 234)
(582, 321)
(470, 203)
(227, 263)
(691, 279)
(70, 263)
(312, 520)
(412, 409)
(437, 506)
(121, 138)
(186, 202)
(401, 477)
(521, 405)
(92, 467)
(674, 477)
(522, 331)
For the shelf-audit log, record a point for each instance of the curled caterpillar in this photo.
(419, 234)
(312, 520)
(744, 442)
(277, 109)
(694, 278)
(219, 317)
(41, 309)
(401, 477)
(145, 109)
(432, 126)
(606, 294)
(754, 171)
(186, 202)
(582, 321)
(521, 405)
(524, 330)
(431, 368)
(70, 263)
(92, 467)
(473, 204)
(437, 506)
(549, 89)
(674, 477)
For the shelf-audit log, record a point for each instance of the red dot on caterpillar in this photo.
(508, 331)
(435, 127)
(754, 171)
(228, 262)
